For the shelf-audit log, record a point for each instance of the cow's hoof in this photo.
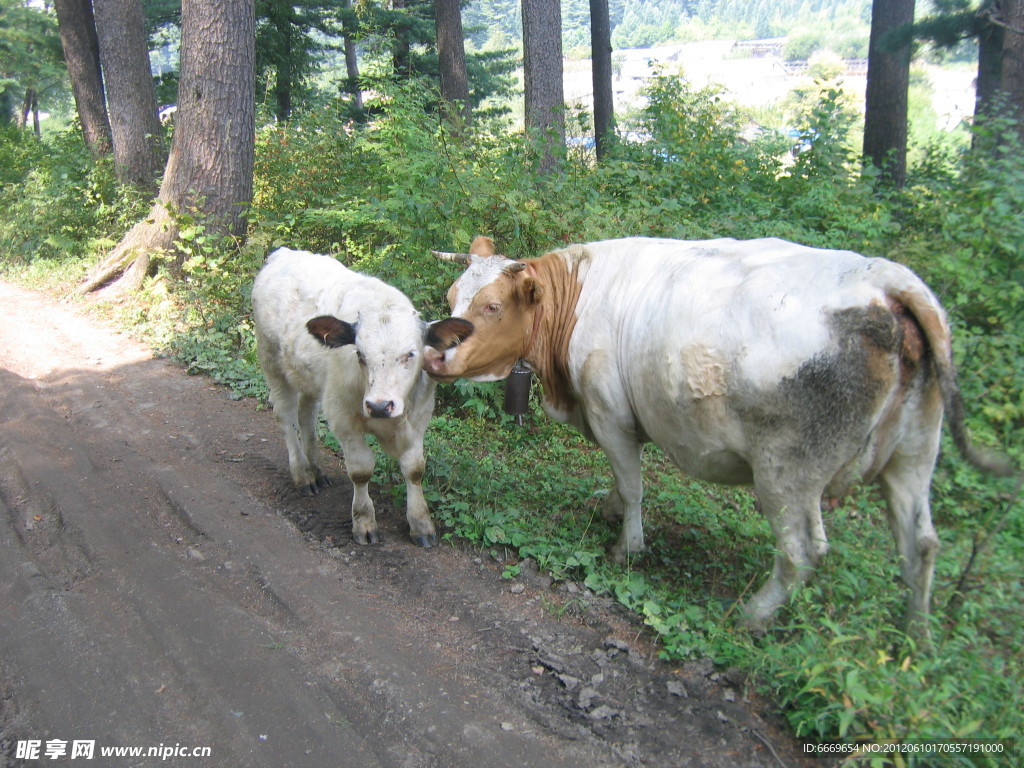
(623, 555)
(428, 541)
(756, 632)
(608, 504)
(369, 537)
(756, 620)
(311, 489)
(322, 481)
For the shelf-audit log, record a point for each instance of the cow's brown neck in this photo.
(554, 321)
(538, 315)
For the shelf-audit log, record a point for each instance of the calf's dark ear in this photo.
(446, 333)
(331, 332)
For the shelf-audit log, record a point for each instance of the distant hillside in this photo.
(841, 24)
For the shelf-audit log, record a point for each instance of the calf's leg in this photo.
(308, 410)
(288, 405)
(359, 463)
(406, 445)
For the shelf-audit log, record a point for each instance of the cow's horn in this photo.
(460, 258)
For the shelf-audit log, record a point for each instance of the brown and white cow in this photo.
(327, 334)
(799, 370)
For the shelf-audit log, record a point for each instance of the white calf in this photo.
(326, 334)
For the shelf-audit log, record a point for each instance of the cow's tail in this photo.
(931, 318)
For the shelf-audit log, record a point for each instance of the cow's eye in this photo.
(360, 357)
(492, 309)
(410, 356)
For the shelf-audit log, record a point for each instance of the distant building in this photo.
(761, 49)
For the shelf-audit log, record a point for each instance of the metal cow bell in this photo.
(517, 391)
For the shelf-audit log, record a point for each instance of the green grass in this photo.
(837, 663)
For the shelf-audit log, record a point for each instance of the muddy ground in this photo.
(163, 585)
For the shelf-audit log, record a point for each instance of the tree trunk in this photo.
(352, 71)
(82, 56)
(451, 55)
(1000, 90)
(885, 111)
(402, 49)
(990, 69)
(280, 16)
(1013, 60)
(601, 58)
(131, 96)
(6, 107)
(351, 61)
(209, 171)
(31, 107)
(542, 73)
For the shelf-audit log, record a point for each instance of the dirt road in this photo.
(162, 585)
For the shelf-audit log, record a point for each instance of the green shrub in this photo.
(57, 203)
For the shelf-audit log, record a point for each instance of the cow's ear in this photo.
(530, 289)
(445, 334)
(331, 332)
(482, 246)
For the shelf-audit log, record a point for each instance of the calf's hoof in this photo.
(366, 538)
(312, 489)
(426, 541)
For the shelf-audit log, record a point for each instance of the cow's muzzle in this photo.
(380, 409)
(435, 363)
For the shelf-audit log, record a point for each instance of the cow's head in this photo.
(499, 297)
(390, 345)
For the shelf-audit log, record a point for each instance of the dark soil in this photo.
(162, 584)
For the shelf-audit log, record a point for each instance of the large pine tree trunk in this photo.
(82, 56)
(1000, 90)
(131, 97)
(209, 171)
(451, 54)
(601, 56)
(1013, 60)
(885, 110)
(542, 73)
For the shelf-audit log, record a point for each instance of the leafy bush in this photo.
(698, 169)
(56, 202)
